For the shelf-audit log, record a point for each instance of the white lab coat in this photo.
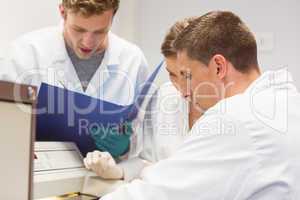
(41, 56)
(3, 70)
(245, 147)
(164, 128)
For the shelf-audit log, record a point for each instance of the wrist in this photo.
(121, 172)
(117, 173)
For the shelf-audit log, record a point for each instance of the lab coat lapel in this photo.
(70, 77)
(65, 74)
(99, 78)
(104, 72)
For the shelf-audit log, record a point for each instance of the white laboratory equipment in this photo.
(59, 173)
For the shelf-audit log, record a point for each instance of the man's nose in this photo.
(88, 40)
(187, 97)
(186, 94)
(186, 90)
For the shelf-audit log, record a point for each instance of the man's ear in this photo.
(62, 11)
(220, 64)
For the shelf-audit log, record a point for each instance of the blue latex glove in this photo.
(115, 140)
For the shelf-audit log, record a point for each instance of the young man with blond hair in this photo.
(247, 144)
(84, 56)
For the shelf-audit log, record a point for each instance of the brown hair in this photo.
(219, 32)
(167, 48)
(91, 7)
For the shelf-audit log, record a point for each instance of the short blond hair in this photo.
(167, 48)
(91, 7)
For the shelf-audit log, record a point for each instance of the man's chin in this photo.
(84, 56)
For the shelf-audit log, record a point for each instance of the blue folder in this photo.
(58, 121)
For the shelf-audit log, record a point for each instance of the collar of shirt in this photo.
(280, 79)
(275, 79)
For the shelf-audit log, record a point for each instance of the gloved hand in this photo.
(103, 164)
(115, 140)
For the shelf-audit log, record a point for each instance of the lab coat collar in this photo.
(275, 79)
(61, 53)
(280, 79)
(113, 50)
(109, 64)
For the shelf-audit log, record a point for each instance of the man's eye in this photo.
(79, 30)
(100, 32)
(186, 75)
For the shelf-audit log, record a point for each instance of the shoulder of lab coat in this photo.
(163, 130)
(128, 58)
(233, 153)
(34, 52)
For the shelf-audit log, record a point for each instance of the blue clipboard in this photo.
(58, 121)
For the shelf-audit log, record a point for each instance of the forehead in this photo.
(171, 62)
(93, 22)
(185, 63)
(182, 57)
(183, 60)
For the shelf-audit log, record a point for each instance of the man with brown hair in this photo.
(247, 143)
(84, 56)
(170, 54)
(223, 41)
